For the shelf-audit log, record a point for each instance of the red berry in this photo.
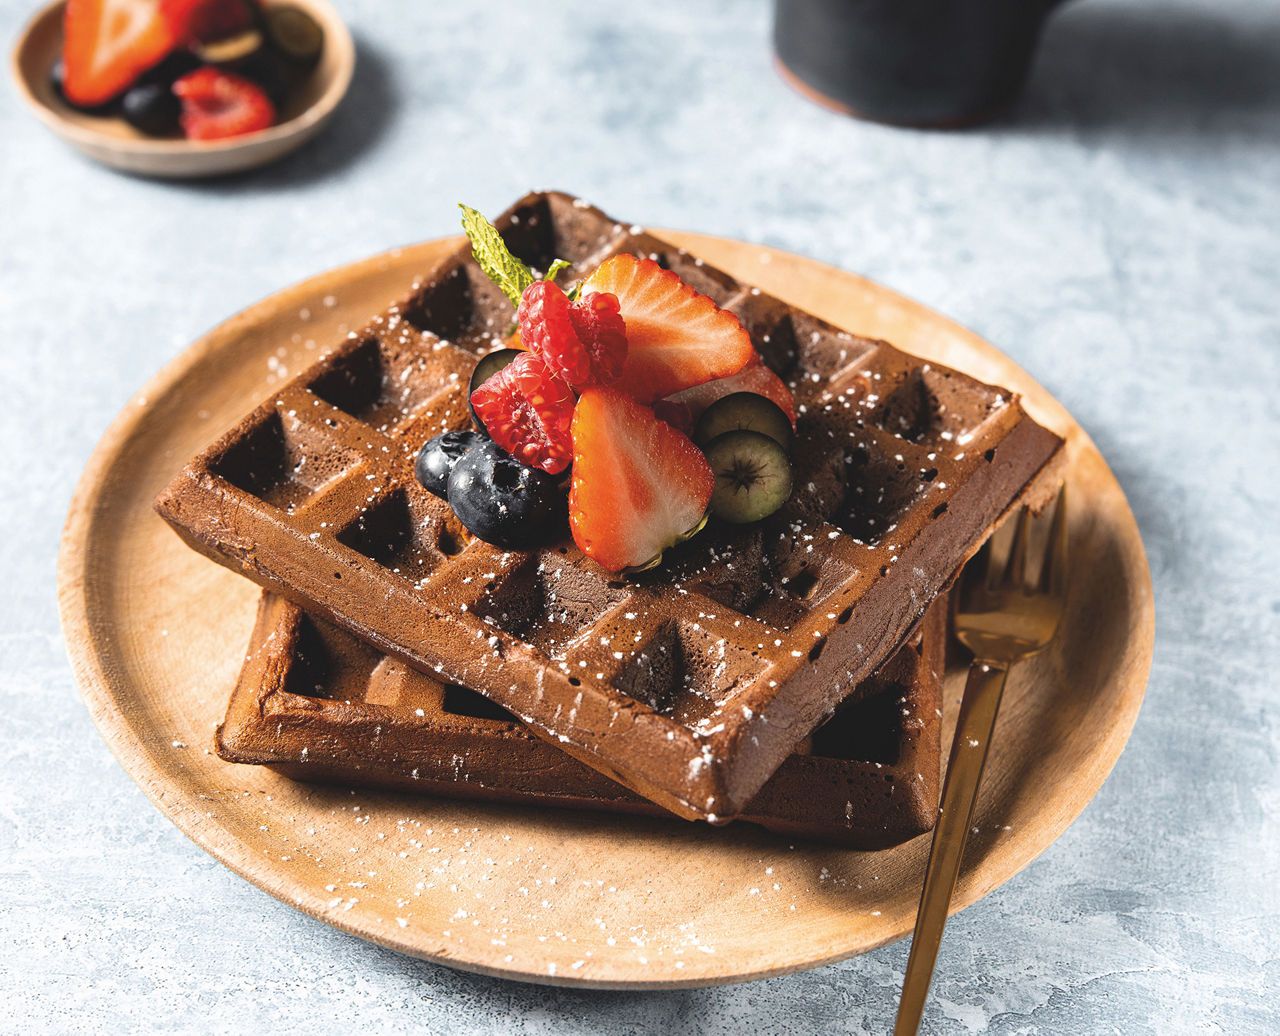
(676, 414)
(203, 21)
(754, 377)
(584, 341)
(639, 486)
(676, 336)
(216, 104)
(107, 44)
(597, 318)
(528, 409)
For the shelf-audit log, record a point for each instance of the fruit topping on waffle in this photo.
(628, 335)
(692, 682)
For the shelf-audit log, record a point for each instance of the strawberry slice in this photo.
(527, 409)
(639, 486)
(216, 104)
(754, 377)
(676, 414)
(676, 337)
(107, 44)
(204, 21)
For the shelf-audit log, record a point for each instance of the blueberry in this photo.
(741, 411)
(504, 502)
(266, 70)
(437, 458)
(488, 365)
(175, 65)
(295, 34)
(753, 476)
(151, 108)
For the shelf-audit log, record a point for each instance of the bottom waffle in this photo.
(314, 703)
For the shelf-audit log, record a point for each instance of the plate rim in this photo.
(93, 677)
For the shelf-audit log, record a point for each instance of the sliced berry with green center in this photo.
(744, 411)
(216, 104)
(231, 50)
(639, 486)
(504, 502)
(752, 476)
(528, 409)
(754, 377)
(676, 336)
(585, 342)
(438, 456)
(486, 368)
(295, 34)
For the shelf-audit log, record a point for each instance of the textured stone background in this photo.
(1118, 234)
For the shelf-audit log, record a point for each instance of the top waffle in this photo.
(693, 683)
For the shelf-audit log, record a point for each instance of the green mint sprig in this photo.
(495, 258)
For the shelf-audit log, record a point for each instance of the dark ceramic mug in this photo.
(913, 62)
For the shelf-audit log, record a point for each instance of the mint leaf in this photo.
(494, 257)
(556, 267)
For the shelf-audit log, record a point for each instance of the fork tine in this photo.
(1015, 574)
(1053, 573)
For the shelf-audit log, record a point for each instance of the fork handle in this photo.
(974, 728)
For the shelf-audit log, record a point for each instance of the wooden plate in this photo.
(156, 634)
(114, 142)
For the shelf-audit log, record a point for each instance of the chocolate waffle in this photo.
(690, 685)
(314, 703)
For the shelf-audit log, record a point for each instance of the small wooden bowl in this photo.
(114, 142)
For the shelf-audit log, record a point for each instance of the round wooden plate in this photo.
(156, 634)
(114, 142)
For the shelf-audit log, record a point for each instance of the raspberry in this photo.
(584, 342)
(216, 104)
(597, 317)
(527, 409)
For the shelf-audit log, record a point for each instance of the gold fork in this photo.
(1003, 613)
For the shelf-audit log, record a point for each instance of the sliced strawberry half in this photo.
(676, 337)
(639, 486)
(527, 410)
(204, 21)
(216, 104)
(755, 377)
(107, 44)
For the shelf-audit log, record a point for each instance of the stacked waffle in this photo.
(785, 672)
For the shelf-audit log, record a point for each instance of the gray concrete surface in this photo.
(1118, 233)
